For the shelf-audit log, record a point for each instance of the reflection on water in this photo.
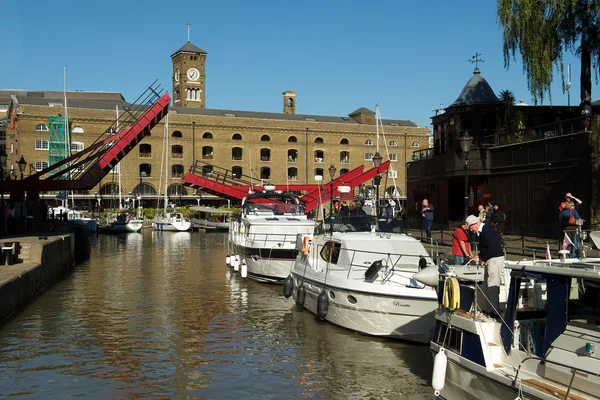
(159, 314)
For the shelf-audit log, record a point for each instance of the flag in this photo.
(548, 256)
(566, 242)
(62, 196)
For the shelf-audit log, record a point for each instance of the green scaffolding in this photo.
(58, 144)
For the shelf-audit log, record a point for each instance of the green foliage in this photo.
(542, 31)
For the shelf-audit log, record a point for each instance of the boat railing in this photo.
(268, 240)
(574, 371)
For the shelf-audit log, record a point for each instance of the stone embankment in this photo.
(31, 263)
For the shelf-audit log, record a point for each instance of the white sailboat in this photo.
(169, 221)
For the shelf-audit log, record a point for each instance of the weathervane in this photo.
(189, 28)
(476, 59)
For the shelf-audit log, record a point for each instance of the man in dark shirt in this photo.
(491, 256)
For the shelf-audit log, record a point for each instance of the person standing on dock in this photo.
(427, 214)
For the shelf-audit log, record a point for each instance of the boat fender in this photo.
(439, 371)
(300, 295)
(422, 263)
(305, 245)
(288, 286)
(236, 264)
(322, 305)
(451, 294)
(373, 270)
(228, 260)
(244, 268)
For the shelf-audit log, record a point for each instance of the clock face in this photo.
(193, 74)
(177, 73)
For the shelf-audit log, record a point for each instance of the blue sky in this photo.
(337, 55)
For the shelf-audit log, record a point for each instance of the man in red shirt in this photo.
(461, 248)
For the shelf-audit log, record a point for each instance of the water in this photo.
(159, 315)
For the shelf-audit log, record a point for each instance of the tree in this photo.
(513, 122)
(542, 31)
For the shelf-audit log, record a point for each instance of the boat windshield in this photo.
(273, 209)
(355, 223)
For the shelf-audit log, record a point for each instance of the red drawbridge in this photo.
(221, 182)
(85, 169)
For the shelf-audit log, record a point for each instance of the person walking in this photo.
(427, 214)
(461, 248)
(499, 221)
(491, 257)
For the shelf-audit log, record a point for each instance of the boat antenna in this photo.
(166, 161)
(251, 180)
(287, 177)
(395, 193)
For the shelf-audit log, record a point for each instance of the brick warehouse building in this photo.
(274, 147)
(527, 171)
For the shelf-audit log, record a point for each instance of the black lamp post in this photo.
(331, 175)
(22, 165)
(465, 145)
(2, 217)
(377, 180)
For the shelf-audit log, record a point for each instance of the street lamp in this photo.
(22, 165)
(2, 217)
(465, 145)
(377, 180)
(331, 175)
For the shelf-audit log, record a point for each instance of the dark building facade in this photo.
(523, 157)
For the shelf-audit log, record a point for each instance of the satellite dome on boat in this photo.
(476, 91)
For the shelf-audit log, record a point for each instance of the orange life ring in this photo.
(305, 245)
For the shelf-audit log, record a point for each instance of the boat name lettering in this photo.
(398, 304)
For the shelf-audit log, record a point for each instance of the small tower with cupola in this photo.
(289, 102)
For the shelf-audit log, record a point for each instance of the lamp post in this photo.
(2, 205)
(377, 180)
(331, 175)
(465, 145)
(22, 165)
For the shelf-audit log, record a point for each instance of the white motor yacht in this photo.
(262, 241)
(360, 278)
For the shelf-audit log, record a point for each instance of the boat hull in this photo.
(121, 227)
(399, 317)
(266, 264)
(89, 223)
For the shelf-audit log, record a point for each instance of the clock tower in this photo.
(189, 77)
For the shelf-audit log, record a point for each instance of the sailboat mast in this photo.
(66, 139)
(166, 160)
(377, 125)
(119, 164)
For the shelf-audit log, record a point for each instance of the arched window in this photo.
(292, 174)
(369, 142)
(344, 171)
(207, 152)
(292, 155)
(145, 170)
(193, 94)
(415, 144)
(207, 135)
(319, 140)
(41, 128)
(292, 139)
(393, 157)
(345, 157)
(177, 95)
(393, 143)
(177, 151)
(144, 189)
(176, 190)
(40, 165)
(236, 136)
(176, 171)
(41, 145)
(236, 172)
(265, 173)
(265, 154)
(77, 129)
(177, 134)
(77, 146)
(344, 141)
(319, 156)
(368, 156)
(319, 171)
(109, 189)
(145, 150)
(237, 153)
(265, 138)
